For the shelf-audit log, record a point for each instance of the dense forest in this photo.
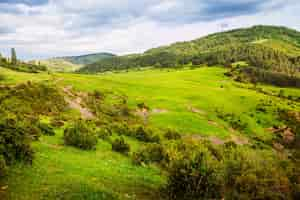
(267, 47)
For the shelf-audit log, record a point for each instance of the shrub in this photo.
(150, 153)
(256, 174)
(122, 129)
(3, 167)
(46, 129)
(146, 135)
(1, 77)
(80, 136)
(195, 177)
(103, 133)
(119, 145)
(172, 135)
(15, 142)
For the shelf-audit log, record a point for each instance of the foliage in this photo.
(230, 171)
(250, 175)
(32, 99)
(172, 135)
(150, 153)
(219, 49)
(20, 66)
(3, 167)
(195, 177)
(13, 56)
(235, 121)
(104, 132)
(146, 135)
(15, 141)
(46, 129)
(79, 135)
(254, 75)
(119, 145)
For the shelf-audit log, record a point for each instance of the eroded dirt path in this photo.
(75, 102)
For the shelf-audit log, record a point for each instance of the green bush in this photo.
(104, 133)
(80, 136)
(194, 177)
(146, 135)
(150, 153)
(255, 174)
(172, 135)
(119, 145)
(1, 77)
(46, 129)
(15, 142)
(122, 129)
(3, 167)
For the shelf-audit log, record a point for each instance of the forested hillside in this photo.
(88, 59)
(266, 47)
(73, 63)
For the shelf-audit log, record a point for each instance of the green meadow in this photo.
(186, 100)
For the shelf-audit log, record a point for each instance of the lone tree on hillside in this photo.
(13, 56)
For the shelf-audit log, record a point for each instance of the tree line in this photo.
(15, 64)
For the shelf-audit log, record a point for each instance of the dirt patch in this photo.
(159, 111)
(196, 110)
(213, 123)
(143, 113)
(288, 136)
(215, 140)
(75, 102)
(239, 140)
(284, 132)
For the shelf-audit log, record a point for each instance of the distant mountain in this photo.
(88, 59)
(267, 47)
(73, 63)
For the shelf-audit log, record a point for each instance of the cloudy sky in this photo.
(47, 28)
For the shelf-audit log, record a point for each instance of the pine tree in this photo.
(13, 56)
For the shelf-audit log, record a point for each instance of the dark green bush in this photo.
(80, 136)
(103, 133)
(57, 122)
(119, 145)
(254, 174)
(122, 129)
(15, 142)
(146, 135)
(3, 167)
(172, 135)
(150, 153)
(195, 177)
(46, 129)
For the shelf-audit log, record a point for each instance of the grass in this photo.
(189, 98)
(61, 172)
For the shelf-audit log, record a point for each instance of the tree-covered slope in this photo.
(88, 59)
(269, 47)
(73, 63)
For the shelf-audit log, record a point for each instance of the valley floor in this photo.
(189, 101)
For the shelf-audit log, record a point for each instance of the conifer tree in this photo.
(13, 56)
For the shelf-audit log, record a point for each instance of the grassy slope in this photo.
(58, 64)
(75, 174)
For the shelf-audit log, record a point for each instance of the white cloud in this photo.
(121, 26)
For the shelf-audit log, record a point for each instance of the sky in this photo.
(48, 28)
